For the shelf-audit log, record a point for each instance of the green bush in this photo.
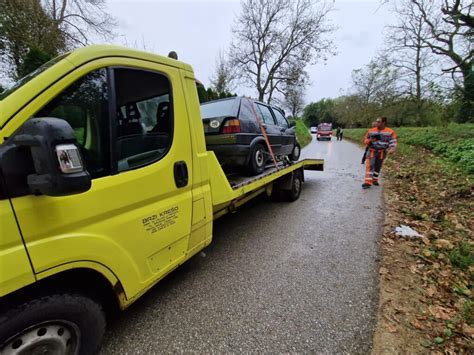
(302, 133)
(462, 257)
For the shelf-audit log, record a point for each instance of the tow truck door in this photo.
(130, 120)
(15, 269)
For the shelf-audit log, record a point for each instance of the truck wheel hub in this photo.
(52, 338)
(296, 185)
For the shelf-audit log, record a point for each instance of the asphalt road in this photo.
(278, 277)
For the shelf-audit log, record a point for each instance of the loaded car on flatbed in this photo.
(233, 129)
(106, 186)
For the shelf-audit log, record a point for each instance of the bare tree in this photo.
(222, 81)
(273, 38)
(376, 82)
(25, 25)
(450, 34)
(376, 85)
(44, 28)
(410, 54)
(294, 99)
(78, 20)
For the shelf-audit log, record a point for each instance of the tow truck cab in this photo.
(142, 206)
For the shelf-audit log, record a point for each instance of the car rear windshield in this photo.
(325, 128)
(218, 108)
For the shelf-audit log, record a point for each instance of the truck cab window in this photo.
(84, 105)
(144, 117)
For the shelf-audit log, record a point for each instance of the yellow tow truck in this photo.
(106, 186)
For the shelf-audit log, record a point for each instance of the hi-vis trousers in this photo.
(373, 164)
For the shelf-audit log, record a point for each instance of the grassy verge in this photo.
(453, 143)
(302, 133)
(426, 284)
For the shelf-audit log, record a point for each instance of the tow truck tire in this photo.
(257, 159)
(296, 186)
(57, 324)
(295, 154)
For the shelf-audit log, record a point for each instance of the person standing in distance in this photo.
(380, 140)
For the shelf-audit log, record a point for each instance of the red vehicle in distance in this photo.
(324, 131)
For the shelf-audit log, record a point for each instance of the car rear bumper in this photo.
(230, 154)
(323, 136)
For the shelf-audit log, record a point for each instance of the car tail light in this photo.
(231, 126)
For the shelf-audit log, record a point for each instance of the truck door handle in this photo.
(180, 174)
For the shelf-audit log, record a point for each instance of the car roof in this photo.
(220, 100)
(240, 98)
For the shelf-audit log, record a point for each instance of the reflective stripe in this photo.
(368, 173)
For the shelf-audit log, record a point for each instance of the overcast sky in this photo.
(198, 30)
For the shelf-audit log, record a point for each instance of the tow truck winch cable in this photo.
(264, 132)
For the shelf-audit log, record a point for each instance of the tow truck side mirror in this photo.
(58, 166)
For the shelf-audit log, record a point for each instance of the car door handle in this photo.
(180, 174)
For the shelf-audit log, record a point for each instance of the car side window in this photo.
(265, 114)
(144, 117)
(84, 105)
(281, 120)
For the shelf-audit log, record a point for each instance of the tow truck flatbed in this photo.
(232, 191)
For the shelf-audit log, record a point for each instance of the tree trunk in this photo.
(466, 112)
(418, 84)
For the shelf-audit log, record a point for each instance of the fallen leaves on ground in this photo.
(432, 295)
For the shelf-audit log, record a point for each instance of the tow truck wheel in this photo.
(296, 186)
(58, 324)
(258, 158)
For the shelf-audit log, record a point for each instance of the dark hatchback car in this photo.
(234, 134)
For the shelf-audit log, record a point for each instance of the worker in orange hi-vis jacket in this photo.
(380, 140)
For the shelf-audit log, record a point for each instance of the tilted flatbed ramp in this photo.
(230, 192)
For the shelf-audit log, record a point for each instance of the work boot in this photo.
(365, 185)
(375, 183)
